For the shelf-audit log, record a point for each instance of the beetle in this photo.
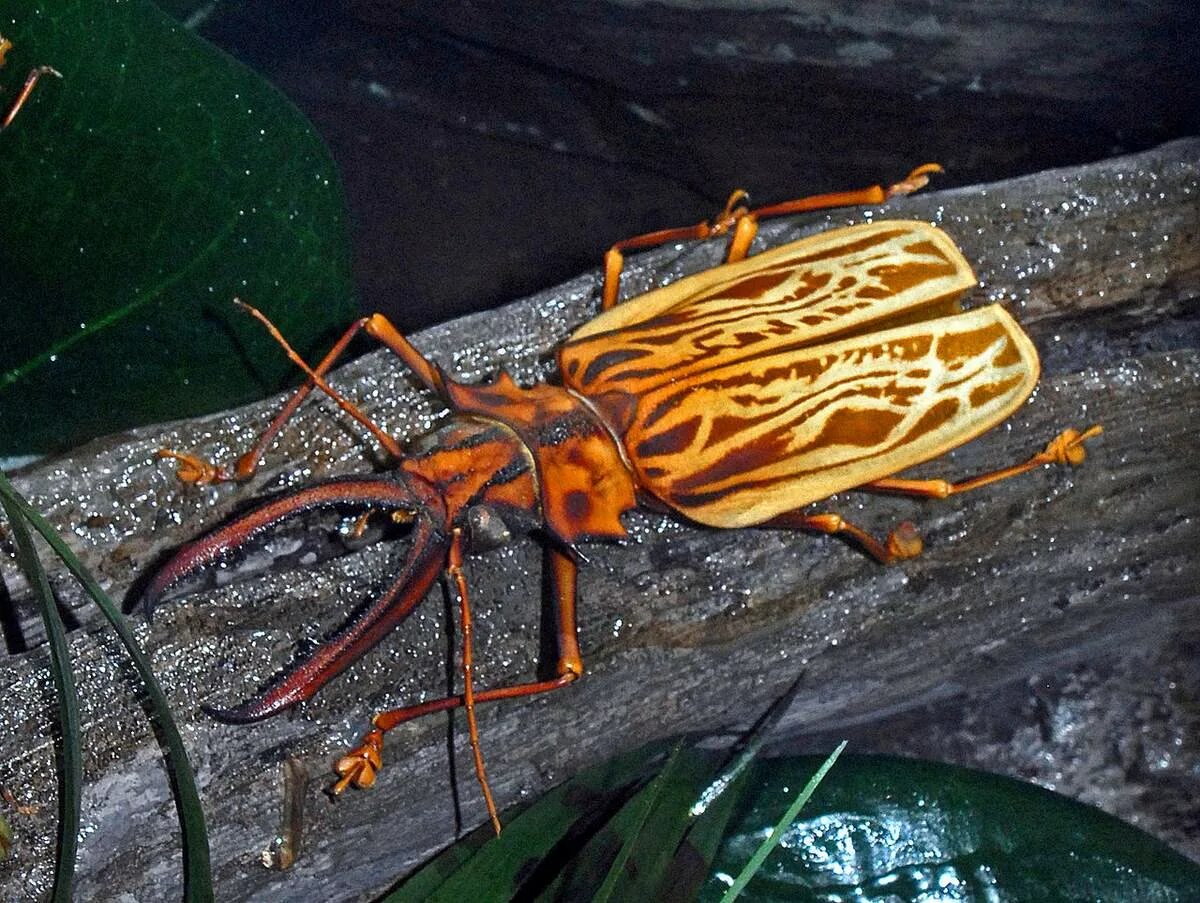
(734, 398)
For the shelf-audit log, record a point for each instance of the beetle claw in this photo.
(195, 470)
(360, 766)
(905, 542)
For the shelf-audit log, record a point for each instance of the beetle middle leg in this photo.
(360, 766)
(901, 543)
(741, 222)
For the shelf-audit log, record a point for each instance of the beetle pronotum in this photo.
(735, 397)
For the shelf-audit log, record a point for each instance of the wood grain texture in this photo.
(682, 628)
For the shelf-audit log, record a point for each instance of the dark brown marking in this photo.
(755, 286)
(864, 427)
(762, 451)
(577, 505)
(933, 419)
(669, 442)
(897, 278)
(956, 346)
(610, 359)
(845, 250)
(1008, 356)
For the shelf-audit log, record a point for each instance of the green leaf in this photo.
(751, 868)
(197, 872)
(651, 838)
(70, 763)
(534, 845)
(882, 828)
(154, 182)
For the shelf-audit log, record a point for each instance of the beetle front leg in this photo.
(361, 765)
(454, 573)
(193, 469)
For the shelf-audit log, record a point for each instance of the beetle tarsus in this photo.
(905, 542)
(26, 90)
(1067, 446)
(195, 470)
(915, 180)
(361, 765)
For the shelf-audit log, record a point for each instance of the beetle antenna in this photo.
(390, 445)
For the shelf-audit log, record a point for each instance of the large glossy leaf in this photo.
(888, 829)
(138, 195)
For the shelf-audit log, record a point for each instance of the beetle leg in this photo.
(743, 222)
(360, 765)
(454, 572)
(27, 89)
(1065, 448)
(614, 258)
(901, 543)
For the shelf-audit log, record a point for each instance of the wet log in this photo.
(683, 629)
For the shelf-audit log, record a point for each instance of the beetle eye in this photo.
(486, 528)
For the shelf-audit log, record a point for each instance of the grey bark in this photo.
(683, 629)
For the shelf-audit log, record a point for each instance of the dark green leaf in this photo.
(880, 828)
(197, 873)
(70, 764)
(528, 855)
(141, 192)
(648, 846)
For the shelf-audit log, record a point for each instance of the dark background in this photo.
(491, 149)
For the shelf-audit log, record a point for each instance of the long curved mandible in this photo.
(425, 562)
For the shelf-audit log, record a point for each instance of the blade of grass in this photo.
(70, 765)
(772, 841)
(197, 873)
(747, 748)
(655, 828)
(692, 860)
(589, 862)
(5, 839)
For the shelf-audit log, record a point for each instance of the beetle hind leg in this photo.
(1065, 448)
(741, 223)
